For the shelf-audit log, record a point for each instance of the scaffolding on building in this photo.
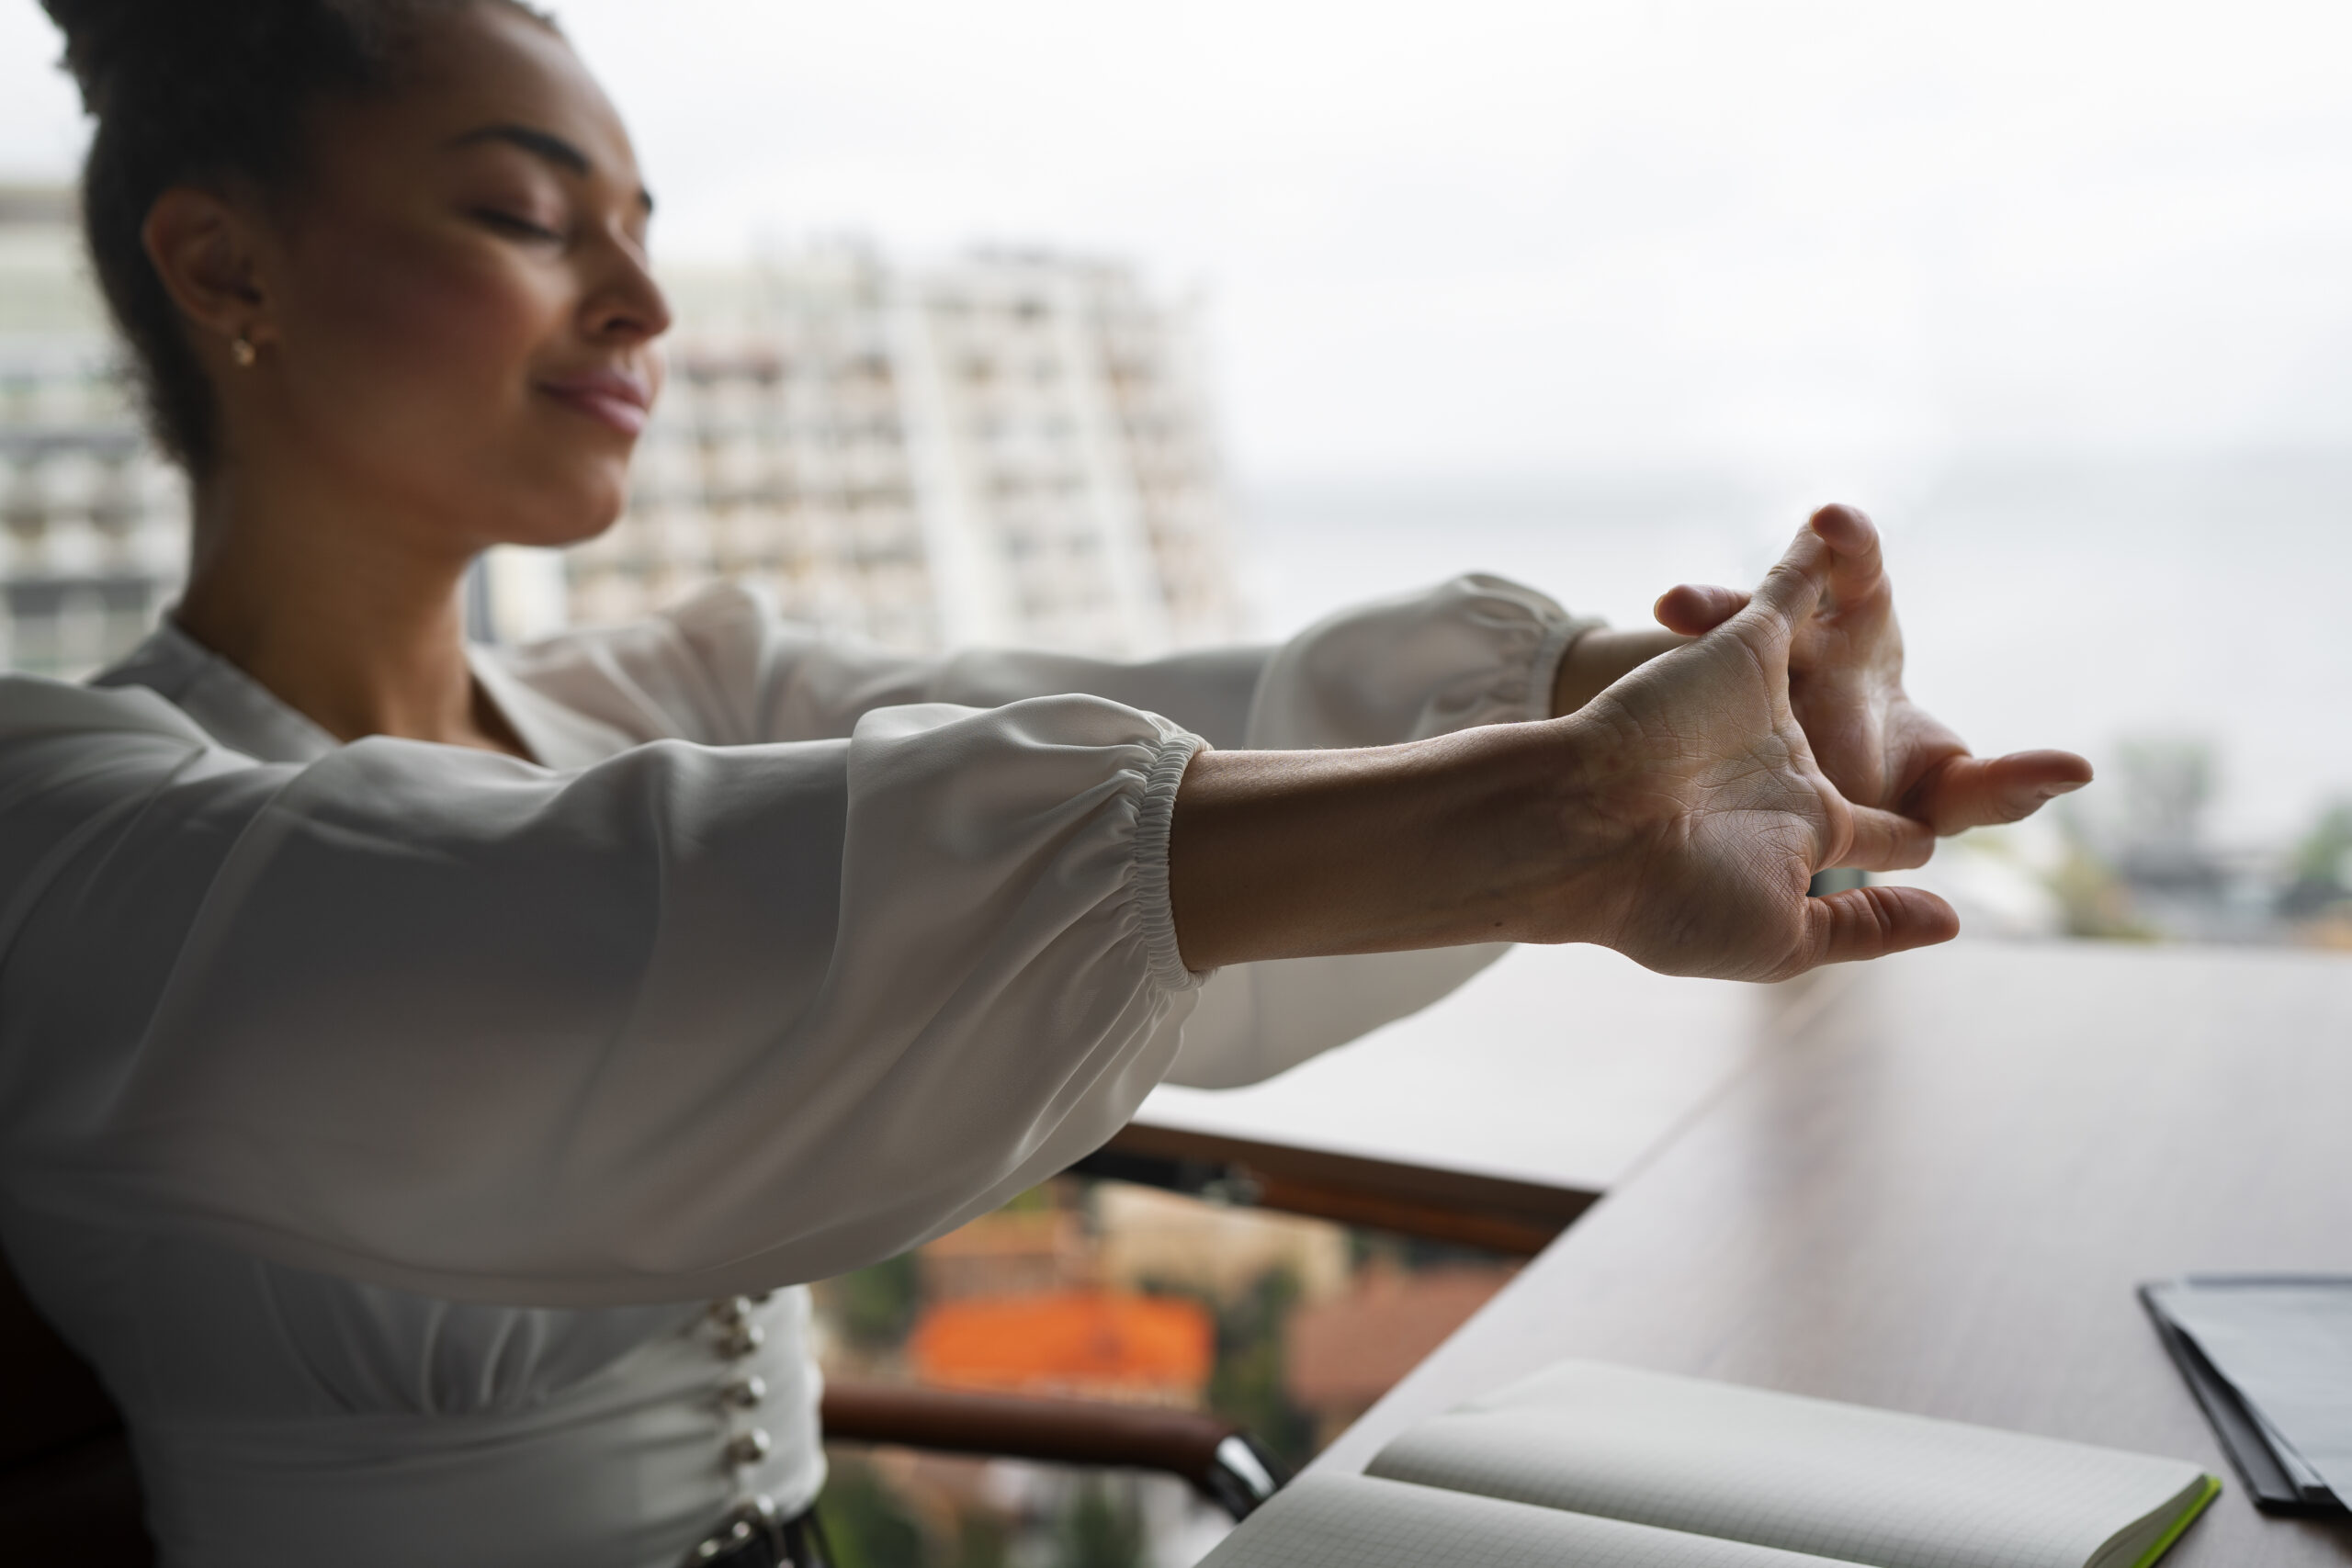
(93, 524)
(1007, 448)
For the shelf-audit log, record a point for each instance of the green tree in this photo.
(1246, 1378)
(2323, 865)
(1102, 1527)
(981, 1541)
(869, 1526)
(876, 1307)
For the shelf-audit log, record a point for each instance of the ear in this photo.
(203, 247)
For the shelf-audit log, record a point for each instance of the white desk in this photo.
(1515, 1101)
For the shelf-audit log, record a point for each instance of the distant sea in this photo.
(2078, 604)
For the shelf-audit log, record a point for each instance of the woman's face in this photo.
(461, 322)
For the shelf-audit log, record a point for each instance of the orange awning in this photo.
(1066, 1341)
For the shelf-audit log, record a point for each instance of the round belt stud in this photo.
(748, 1447)
(745, 1392)
(737, 1534)
(746, 1522)
(740, 1340)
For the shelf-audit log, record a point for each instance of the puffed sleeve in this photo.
(696, 1021)
(1477, 650)
(724, 668)
(1474, 650)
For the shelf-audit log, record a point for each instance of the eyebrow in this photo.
(545, 144)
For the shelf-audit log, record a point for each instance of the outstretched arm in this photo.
(1677, 816)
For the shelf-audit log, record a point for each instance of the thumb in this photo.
(1870, 922)
(1792, 590)
(1694, 609)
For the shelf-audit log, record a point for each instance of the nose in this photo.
(625, 302)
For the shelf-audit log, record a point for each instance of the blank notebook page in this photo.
(1838, 1481)
(1347, 1521)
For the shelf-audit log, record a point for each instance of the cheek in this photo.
(411, 341)
(410, 362)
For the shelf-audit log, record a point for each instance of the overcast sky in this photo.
(1536, 238)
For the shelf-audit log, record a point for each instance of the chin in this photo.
(554, 534)
(548, 516)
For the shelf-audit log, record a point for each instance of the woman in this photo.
(402, 1047)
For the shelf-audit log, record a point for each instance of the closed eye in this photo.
(511, 223)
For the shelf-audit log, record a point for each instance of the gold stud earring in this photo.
(241, 349)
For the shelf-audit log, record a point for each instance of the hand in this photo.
(1721, 814)
(1677, 816)
(1846, 686)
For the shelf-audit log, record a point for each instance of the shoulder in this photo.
(75, 757)
(82, 747)
(33, 708)
(693, 672)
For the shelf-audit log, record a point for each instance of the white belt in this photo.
(627, 1469)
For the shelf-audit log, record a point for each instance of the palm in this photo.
(1846, 688)
(1715, 787)
(1872, 741)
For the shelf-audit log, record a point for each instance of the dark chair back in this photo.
(68, 1493)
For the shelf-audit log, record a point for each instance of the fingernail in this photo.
(1844, 527)
(2052, 791)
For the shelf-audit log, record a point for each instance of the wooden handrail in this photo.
(1220, 1460)
(1518, 1219)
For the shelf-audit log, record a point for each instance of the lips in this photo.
(612, 398)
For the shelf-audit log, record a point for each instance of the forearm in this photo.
(1598, 659)
(1471, 837)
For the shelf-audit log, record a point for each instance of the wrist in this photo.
(1516, 850)
(1600, 657)
(1486, 835)
(1552, 843)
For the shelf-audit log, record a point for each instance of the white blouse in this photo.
(380, 1119)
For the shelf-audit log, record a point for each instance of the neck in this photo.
(345, 618)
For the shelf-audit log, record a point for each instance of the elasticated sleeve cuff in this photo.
(1544, 674)
(1154, 815)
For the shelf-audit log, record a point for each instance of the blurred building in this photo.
(1012, 1252)
(1342, 1354)
(91, 523)
(1009, 448)
(2141, 865)
(1153, 1240)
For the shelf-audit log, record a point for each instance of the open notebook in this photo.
(1606, 1467)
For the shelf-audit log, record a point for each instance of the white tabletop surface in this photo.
(1561, 1066)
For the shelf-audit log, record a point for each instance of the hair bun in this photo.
(207, 91)
(160, 43)
(101, 39)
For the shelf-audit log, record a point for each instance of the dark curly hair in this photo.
(203, 92)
